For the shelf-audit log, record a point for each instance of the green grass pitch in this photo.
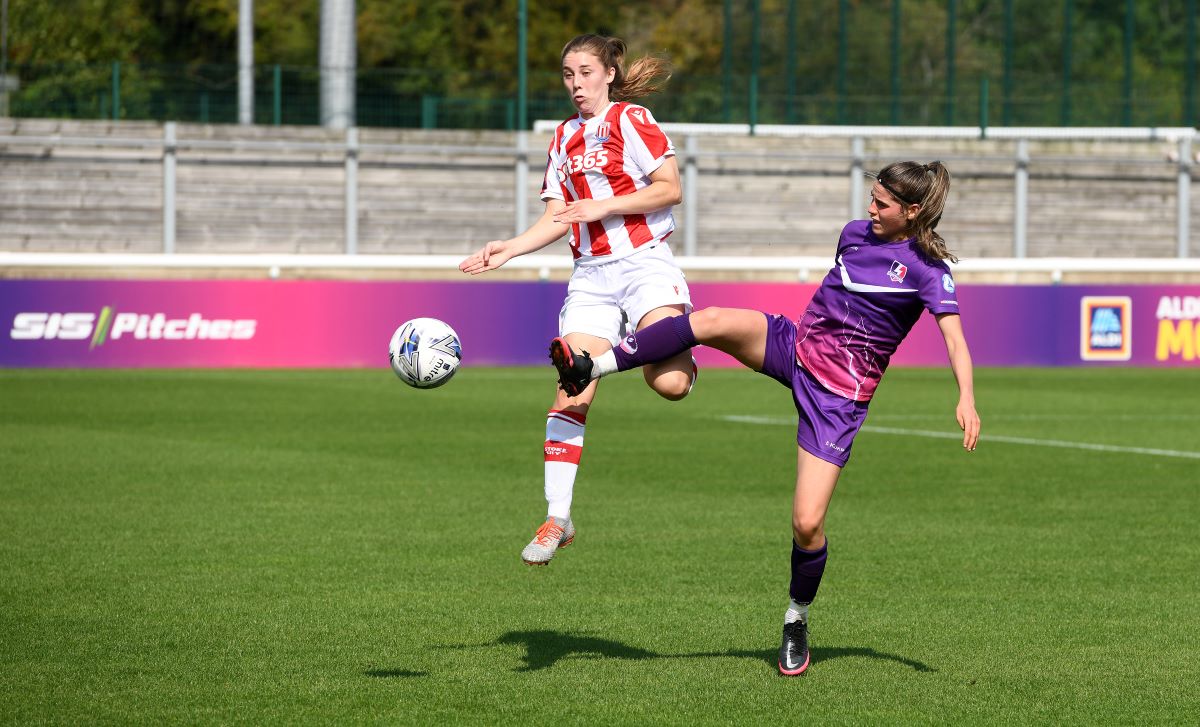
(331, 546)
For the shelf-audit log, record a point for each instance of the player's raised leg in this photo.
(740, 332)
(565, 425)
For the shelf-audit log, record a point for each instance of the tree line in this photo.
(1036, 61)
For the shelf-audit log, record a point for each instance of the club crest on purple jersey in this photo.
(629, 345)
(897, 272)
(603, 131)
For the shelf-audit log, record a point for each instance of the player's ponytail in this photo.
(926, 185)
(647, 75)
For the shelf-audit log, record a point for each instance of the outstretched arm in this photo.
(497, 252)
(960, 362)
(664, 190)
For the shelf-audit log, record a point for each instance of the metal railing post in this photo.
(4, 59)
(168, 200)
(691, 177)
(521, 184)
(116, 91)
(277, 95)
(351, 190)
(245, 55)
(522, 70)
(983, 107)
(755, 60)
(1021, 199)
(1184, 197)
(857, 152)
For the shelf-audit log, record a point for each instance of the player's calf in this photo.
(656, 342)
(670, 381)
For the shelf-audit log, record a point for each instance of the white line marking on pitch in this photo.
(986, 438)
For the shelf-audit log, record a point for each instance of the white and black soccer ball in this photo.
(425, 352)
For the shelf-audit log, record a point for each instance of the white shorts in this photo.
(603, 299)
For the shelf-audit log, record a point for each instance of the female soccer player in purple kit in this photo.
(887, 270)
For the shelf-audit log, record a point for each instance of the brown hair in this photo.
(642, 78)
(926, 185)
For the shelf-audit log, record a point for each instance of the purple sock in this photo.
(656, 342)
(807, 568)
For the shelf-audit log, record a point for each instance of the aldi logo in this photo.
(1106, 328)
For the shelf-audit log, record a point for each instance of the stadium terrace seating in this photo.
(755, 195)
(55, 197)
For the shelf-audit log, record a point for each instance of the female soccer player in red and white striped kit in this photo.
(611, 181)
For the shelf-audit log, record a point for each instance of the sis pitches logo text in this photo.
(108, 325)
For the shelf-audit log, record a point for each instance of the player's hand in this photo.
(968, 421)
(489, 257)
(581, 210)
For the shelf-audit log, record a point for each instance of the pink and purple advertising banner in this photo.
(334, 324)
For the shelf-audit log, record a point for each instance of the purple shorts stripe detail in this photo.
(827, 423)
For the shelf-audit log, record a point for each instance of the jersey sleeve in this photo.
(938, 290)
(646, 144)
(551, 186)
(551, 189)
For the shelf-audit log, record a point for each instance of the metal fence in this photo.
(860, 62)
(523, 157)
(412, 98)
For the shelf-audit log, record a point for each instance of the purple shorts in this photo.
(827, 422)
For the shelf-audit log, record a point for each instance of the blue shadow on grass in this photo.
(544, 649)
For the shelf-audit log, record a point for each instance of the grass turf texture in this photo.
(250, 547)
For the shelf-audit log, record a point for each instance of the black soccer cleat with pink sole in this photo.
(574, 369)
(793, 652)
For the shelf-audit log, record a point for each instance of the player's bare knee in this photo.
(808, 531)
(676, 387)
(706, 322)
(671, 385)
(713, 323)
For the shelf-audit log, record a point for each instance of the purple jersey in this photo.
(865, 307)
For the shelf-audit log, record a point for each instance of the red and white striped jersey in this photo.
(611, 154)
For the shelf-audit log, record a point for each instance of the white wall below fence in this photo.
(799, 268)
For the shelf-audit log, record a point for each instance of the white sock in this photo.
(604, 364)
(564, 445)
(796, 612)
